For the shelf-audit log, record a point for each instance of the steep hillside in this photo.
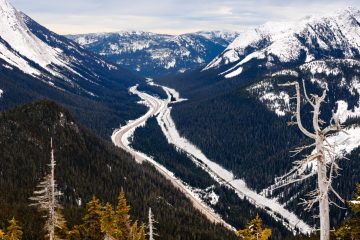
(153, 54)
(86, 165)
(37, 63)
(277, 45)
(237, 114)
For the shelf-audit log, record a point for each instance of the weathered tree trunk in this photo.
(52, 200)
(324, 212)
(319, 136)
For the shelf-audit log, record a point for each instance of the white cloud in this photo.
(170, 16)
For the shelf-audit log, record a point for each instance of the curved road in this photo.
(120, 139)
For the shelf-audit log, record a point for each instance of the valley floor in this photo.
(162, 110)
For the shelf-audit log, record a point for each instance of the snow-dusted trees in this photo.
(46, 199)
(323, 157)
(254, 231)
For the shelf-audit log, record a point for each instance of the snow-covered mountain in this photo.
(324, 51)
(32, 49)
(37, 63)
(157, 54)
(279, 44)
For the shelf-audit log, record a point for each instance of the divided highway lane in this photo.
(120, 139)
(120, 136)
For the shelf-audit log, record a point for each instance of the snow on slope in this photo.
(14, 59)
(15, 33)
(252, 38)
(156, 54)
(223, 176)
(27, 46)
(330, 36)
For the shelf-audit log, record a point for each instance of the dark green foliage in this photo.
(150, 140)
(86, 165)
(232, 127)
(256, 139)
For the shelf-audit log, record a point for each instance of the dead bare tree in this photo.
(46, 199)
(323, 157)
(152, 229)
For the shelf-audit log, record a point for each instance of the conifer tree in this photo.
(134, 231)
(116, 224)
(351, 228)
(91, 227)
(107, 220)
(46, 199)
(142, 235)
(137, 233)
(255, 231)
(74, 234)
(13, 231)
(122, 216)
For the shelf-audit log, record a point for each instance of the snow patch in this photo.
(226, 177)
(235, 73)
(344, 113)
(278, 102)
(320, 67)
(286, 72)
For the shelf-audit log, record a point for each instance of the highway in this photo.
(120, 139)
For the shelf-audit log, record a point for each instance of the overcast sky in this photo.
(169, 16)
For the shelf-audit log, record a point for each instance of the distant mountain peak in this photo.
(309, 39)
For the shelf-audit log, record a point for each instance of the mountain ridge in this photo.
(42, 64)
(333, 35)
(152, 54)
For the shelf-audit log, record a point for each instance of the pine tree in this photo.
(142, 235)
(13, 231)
(122, 217)
(74, 234)
(116, 224)
(46, 200)
(107, 222)
(118, 221)
(134, 232)
(351, 228)
(137, 233)
(91, 228)
(255, 231)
